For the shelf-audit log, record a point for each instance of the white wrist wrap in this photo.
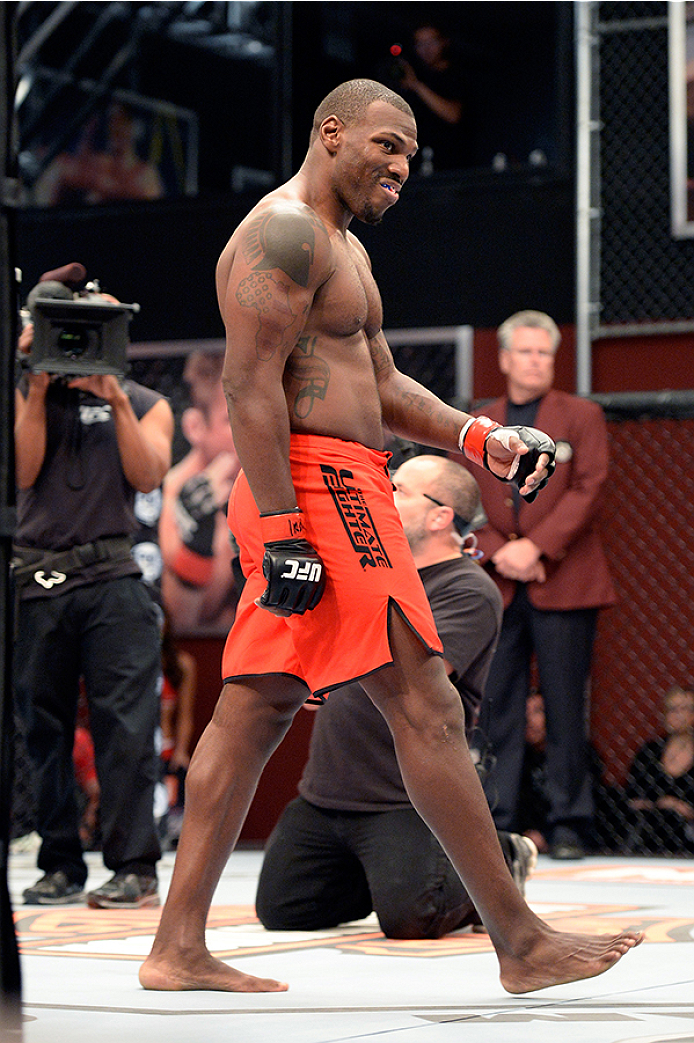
(504, 435)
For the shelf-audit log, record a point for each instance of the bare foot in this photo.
(207, 973)
(555, 959)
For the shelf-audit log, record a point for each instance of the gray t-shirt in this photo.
(352, 764)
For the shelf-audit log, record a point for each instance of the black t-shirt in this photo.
(451, 142)
(648, 780)
(352, 764)
(81, 493)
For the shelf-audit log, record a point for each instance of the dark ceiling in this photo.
(252, 73)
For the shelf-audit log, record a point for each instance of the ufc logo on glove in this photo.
(306, 570)
(293, 570)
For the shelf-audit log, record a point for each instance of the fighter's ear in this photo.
(330, 132)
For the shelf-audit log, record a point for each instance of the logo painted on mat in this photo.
(234, 932)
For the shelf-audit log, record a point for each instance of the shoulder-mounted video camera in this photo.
(77, 334)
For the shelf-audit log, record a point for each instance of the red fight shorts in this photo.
(346, 496)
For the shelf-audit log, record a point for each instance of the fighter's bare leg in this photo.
(248, 723)
(425, 715)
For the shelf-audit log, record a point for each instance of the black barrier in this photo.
(10, 975)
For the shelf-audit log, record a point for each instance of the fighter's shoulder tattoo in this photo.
(284, 239)
(279, 247)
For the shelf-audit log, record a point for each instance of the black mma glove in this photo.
(195, 511)
(295, 576)
(538, 443)
(196, 515)
(473, 443)
(294, 571)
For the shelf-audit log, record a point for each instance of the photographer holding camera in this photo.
(430, 75)
(86, 440)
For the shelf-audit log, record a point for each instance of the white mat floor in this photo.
(79, 969)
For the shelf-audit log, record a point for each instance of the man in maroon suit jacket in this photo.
(547, 559)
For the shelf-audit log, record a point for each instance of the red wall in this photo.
(645, 363)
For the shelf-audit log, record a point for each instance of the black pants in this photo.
(322, 868)
(563, 644)
(107, 632)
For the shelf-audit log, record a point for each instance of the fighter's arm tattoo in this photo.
(407, 404)
(381, 356)
(311, 373)
(280, 248)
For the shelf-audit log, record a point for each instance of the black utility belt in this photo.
(49, 569)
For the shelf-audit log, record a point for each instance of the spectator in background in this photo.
(660, 787)
(94, 174)
(351, 842)
(547, 558)
(198, 553)
(533, 806)
(179, 683)
(433, 83)
(83, 447)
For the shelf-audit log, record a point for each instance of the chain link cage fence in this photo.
(644, 645)
(644, 272)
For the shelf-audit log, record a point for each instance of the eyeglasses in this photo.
(462, 527)
(434, 500)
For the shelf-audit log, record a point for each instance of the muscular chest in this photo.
(349, 301)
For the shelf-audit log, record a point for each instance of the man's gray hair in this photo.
(535, 320)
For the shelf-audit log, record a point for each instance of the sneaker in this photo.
(53, 889)
(125, 891)
(27, 843)
(521, 859)
(566, 845)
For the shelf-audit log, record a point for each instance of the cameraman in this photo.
(84, 445)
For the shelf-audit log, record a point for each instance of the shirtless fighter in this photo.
(332, 593)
